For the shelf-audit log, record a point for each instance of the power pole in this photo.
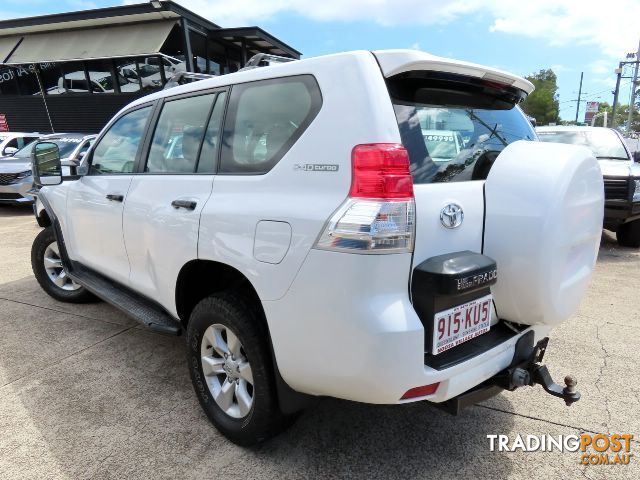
(632, 101)
(579, 95)
(615, 95)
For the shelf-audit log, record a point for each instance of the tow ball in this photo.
(530, 371)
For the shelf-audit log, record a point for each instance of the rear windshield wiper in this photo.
(494, 131)
(613, 158)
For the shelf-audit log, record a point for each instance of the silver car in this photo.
(620, 171)
(16, 181)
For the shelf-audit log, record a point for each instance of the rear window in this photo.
(454, 128)
(604, 143)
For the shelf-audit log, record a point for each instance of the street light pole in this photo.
(615, 96)
(632, 101)
(579, 95)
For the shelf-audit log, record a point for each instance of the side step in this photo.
(136, 306)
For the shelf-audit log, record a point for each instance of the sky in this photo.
(569, 36)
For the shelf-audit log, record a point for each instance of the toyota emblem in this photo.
(451, 215)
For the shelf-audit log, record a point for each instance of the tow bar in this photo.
(531, 371)
(526, 369)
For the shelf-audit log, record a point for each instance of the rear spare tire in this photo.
(544, 210)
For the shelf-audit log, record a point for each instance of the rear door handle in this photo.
(115, 198)
(186, 204)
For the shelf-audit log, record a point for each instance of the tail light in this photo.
(379, 214)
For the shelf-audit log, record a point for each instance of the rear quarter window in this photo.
(264, 120)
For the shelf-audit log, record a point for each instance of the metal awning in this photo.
(255, 40)
(88, 43)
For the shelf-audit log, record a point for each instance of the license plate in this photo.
(460, 324)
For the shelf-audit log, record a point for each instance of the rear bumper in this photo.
(17, 193)
(355, 334)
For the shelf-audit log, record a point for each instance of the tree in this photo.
(543, 103)
(622, 115)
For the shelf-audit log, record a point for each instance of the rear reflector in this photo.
(381, 171)
(421, 391)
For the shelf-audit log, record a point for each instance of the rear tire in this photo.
(48, 270)
(628, 234)
(236, 388)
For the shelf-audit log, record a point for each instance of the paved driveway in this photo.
(86, 393)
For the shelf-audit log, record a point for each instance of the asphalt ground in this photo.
(87, 393)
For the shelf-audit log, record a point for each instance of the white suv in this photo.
(309, 245)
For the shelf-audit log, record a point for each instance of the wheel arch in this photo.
(200, 278)
(43, 219)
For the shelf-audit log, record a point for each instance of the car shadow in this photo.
(611, 252)
(124, 407)
(340, 439)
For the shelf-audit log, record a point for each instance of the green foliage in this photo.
(543, 103)
(622, 114)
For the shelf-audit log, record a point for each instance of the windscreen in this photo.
(604, 143)
(454, 128)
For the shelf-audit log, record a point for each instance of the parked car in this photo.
(621, 174)
(99, 82)
(307, 246)
(11, 142)
(16, 180)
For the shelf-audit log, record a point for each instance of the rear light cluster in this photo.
(379, 215)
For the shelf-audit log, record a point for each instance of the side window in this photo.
(178, 135)
(28, 140)
(264, 120)
(209, 153)
(116, 151)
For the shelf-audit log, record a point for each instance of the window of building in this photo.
(209, 152)
(100, 73)
(199, 51)
(117, 150)
(264, 120)
(52, 81)
(216, 54)
(27, 78)
(127, 69)
(178, 135)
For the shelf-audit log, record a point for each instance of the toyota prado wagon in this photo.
(309, 244)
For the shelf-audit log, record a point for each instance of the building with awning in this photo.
(72, 71)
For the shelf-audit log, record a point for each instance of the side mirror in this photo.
(47, 169)
(9, 151)
(636, 156)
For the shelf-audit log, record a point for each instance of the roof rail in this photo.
(265, 60)
(182, 78)
(258, 60)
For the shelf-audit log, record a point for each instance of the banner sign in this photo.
(592, 109)
(4, 126)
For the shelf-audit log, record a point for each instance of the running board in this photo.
(136, 306)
